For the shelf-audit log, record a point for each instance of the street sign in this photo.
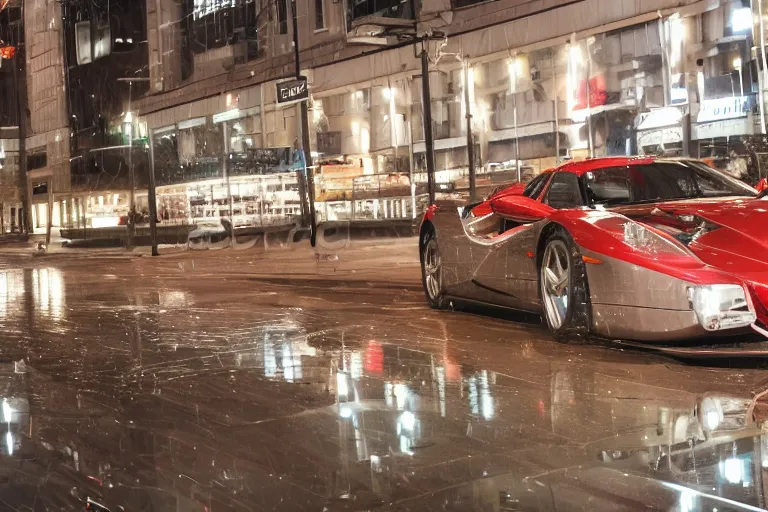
(292, 91)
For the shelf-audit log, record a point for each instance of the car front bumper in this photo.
(635, 303)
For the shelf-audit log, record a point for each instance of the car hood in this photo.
(722, 232)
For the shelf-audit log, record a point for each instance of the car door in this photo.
(522, 276)
(495, 259)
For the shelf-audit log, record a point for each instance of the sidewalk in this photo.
(376, 259)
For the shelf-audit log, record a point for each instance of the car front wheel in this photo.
(432, 271)
(563, 287)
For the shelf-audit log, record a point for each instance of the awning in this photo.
(659, 118)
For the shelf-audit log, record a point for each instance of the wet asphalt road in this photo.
(290, 381)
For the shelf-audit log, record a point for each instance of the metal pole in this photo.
(589, 102)
(429, 144)
(226, 169)
(305, 145)
(665, 71)
(131, 177)
(50, 213)
(554, 109)
(151, 197)
(409, 95)
(761, 74)
(470, 139)
(741, 83)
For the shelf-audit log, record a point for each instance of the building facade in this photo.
(526, 85)
(12, 71)
(515, 88)
(68, 71)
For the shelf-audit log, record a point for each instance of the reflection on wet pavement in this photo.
(200, 394)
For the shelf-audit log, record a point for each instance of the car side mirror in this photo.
(520, 208)
(762, 185)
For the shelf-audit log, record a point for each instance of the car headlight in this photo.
(721, 306)
(642, 239)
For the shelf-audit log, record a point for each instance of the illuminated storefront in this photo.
(362, 154)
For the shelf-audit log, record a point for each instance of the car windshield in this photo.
(659, 181)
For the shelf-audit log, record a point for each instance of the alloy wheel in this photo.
(555, 283)
(432, 270)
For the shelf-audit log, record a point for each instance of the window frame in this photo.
(320, 24)
(282, 17)
(537, 185)
(552, 182)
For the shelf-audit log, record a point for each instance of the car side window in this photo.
(533, 189)
(565, 191)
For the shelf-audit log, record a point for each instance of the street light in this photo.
(741, 19)
(128, 127)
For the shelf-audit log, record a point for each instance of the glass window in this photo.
(37, 159)
(533, 189)
(205, 7)
(660, 181)
(565, 191)
(282, 16)
(319, 15)
(83, 42)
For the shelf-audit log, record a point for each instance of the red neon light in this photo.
(7, 52)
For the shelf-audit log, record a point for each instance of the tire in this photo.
(570, 317)
(432, 270)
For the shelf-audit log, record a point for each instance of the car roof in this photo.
(582, 166)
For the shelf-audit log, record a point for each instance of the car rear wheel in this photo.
(563, 287)
(432, 271)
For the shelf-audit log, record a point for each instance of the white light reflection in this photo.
(174, 299)
(270, 359)
(48, 292)
(687, 500)
(401, 395)
(407, 421)
(441, 389)
(733, 470)
(480, 399)
(292, 370)
(11, 290)
(712, 420)
(7, 411)
(356, 365)
(342, 388)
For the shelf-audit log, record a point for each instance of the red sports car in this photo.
(645, 249)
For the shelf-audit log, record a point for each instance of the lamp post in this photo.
(514, 73)
(128, 130)
(468, 82)
(429, 141)
(305, 146)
